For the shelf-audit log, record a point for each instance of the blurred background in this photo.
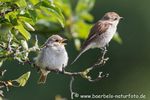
(128, 66)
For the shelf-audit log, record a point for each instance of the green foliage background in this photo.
(128, 65)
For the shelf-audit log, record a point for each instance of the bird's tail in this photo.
(81, 52)
(43, 76)
(42, 79)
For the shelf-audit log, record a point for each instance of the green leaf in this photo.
(33, 15)
(29, 16)
(21, 3)
(1, 62)
(45, 24)
(117, 38)
(86, 16)
(82, 9)
(12, 17)
(22, 80)
(5, 0)
(52, 13)
(81, 29)
(77, 43)
(28, 26)
(65, 6)
(24, 44)
(4, 28)
(26, 19)
(51, 10)
(23, 31)
(34, 1)
(84, 5)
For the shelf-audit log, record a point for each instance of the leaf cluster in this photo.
(19, 19)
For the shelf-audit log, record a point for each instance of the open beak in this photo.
(62, 41)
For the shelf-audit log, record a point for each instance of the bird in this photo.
(101, 33)
(53, 56)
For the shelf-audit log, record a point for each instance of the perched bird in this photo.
(101, 33)
(53, 56)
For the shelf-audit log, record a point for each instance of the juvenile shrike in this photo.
(53, 56)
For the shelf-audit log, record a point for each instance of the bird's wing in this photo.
(99, 28)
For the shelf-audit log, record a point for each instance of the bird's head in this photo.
(112, 17)
(55, 40)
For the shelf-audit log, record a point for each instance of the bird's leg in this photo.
(36, 67)
(53, 70)
(63, 68)
(102, 59)
(57, 70)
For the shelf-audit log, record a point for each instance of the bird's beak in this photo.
(121, 18)
(62, 41)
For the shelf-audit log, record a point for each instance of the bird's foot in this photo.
(63, 69)
(102, 61)
(36, 67)
(57, 71)
(104, 50)
(53, 70)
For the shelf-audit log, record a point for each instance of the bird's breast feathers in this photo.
(52, 58)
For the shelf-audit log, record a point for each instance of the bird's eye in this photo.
(56, 40)
(115, 19)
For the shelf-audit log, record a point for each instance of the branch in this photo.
(84, 74)
(6, 84)
(71, 91)
(17, 51)
(2, 72)
(12, 8)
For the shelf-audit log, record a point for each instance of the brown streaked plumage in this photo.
(101, 33)
(98, 28)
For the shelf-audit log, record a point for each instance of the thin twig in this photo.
(1, 93)
(84, 74)
(2, 46)
(68, 73)
(2, 72)
(15, 52)
(9, 42)
(4, 84)
(71, 90)
(99, 77)
(102, 60)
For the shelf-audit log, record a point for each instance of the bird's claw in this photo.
(54, 70)
(102, 61)
(63, 69)
(57, 71)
